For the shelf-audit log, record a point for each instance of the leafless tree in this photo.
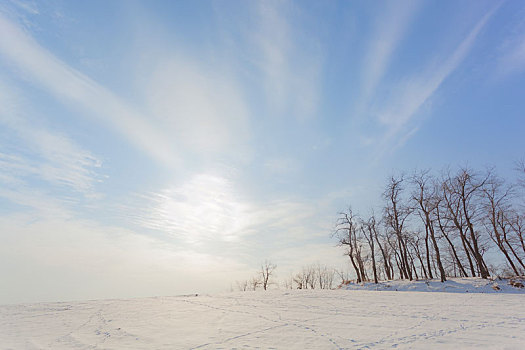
(518, 228)
(300, 281)
(452, 188)
(467, 186)
(447, 233)
(242, 285)
(346, 231)
(325, 276)
(266, 273)
(497, 208)
(343, 275)
(444, 227)
(426, 200)
(396, 212)
(255, 282)
(288, 282)
(369, 229)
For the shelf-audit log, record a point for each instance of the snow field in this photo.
(296, 319)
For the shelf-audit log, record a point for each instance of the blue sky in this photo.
(153, 148)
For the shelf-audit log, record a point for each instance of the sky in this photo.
(170, 147)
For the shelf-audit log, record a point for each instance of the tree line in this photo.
(314, 276)
(462, 223)
(452, 224)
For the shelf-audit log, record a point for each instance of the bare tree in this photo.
(395, 215)
(518, 228)
(497, 212)
(242, 285)
(385, 252)
(444, 229)
(343, 275)
(325, 276)
(369, 229)
(267, 270)
(346, 231)
(453, 203)
(300, 281)
(426, 199)
(255, 283)
(288, 282)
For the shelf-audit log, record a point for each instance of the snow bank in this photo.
(452, 285)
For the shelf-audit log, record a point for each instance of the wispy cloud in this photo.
(209, 209)
(291, 71)
(204, 209)
(39, 152)
(28, 6)
(390, 29)
(64, 82)
(513, 59)
(202, 107)
(412, 93)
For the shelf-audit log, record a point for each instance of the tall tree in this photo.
(426, 202)
(369, 229)
(396, 213)
(346, 232)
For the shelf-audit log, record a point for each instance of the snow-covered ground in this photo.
(307, 319)
(452, 285)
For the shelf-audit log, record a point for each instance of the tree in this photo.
(347, 232)
(395, 216)
(267, 270)
(426, 201)
(369, 229)
(242, 285)
(452, 202)
(255, 283)
(497, 208)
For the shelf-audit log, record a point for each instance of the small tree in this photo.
(267, 270)
(255, 283)
(242, 285)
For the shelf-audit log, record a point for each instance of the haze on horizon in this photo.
(163, 148)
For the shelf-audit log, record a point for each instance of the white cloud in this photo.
(204, 209)
(390, 28)
(411, 94)
(291, 71)
(203, 109)
(209, 209)
(64, 82)
(39, 152)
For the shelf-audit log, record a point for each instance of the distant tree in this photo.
(242, 285)
(266, 273)
(300, 281)
(255, 282)
(343, 275)
(288, 282)
(325, 276)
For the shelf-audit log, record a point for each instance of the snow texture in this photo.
(295, 319)
(452, 285)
